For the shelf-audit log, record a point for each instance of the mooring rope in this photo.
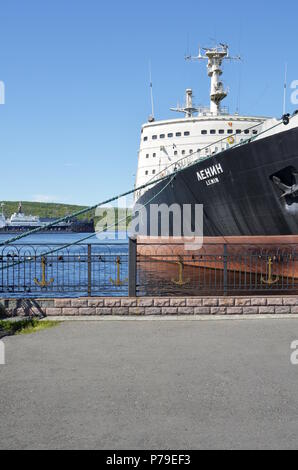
(144, 186)
(88, 237)
(201, 159)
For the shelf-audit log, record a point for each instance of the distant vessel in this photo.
(2, 218)
(19, 222)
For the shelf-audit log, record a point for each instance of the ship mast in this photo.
(215, 57)
(188, 109)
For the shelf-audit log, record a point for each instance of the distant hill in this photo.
(53, 210)
(43, 209)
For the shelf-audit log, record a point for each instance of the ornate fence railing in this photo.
(93, 269)
(122, 269)
(217, 269)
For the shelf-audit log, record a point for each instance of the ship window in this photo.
(145, 139)
(183, 152)
(230, 131)
(154, 155)
(203, 132)
(162, 136)
(146, 172)
(147, 156)
(154, 137)
(191, 152)
(187, 133)
(213, 131)
(178, 134)
(176, 153)
(238, 131)
(221, 131)
(153, 172)
(246, 131)
(170, 135)
(255, 132)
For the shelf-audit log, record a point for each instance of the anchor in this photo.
(270, 281)
(43, 282)
(180, 282)
(117, 282)
(287, 190)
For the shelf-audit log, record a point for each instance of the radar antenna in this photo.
(215, 57)
(151, 117)
(188, 109)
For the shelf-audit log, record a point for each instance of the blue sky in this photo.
(76, 78)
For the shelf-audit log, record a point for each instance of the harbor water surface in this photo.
(69, 264)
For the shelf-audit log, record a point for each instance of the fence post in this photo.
(132, 268)
(225, 260)
(89, 270)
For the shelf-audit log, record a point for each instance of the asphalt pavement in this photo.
(151, 385)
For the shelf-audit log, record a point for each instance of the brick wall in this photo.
(152, 306)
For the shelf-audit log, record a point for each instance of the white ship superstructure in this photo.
(203, 132)
(20, 222)
(20, 219)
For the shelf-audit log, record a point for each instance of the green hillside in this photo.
(43, 209)
(53, 210)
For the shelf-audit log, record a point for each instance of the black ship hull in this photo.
(241, 190)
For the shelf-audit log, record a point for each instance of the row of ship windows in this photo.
(208, 151)
(170, 136)
(183, 152)
(203, 132)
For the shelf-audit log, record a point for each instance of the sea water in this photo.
(69, 264)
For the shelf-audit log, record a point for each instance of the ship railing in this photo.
(122, 268)
(205, 111)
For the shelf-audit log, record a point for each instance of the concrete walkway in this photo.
(151, 385)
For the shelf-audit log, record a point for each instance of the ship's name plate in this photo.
(209, 175)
